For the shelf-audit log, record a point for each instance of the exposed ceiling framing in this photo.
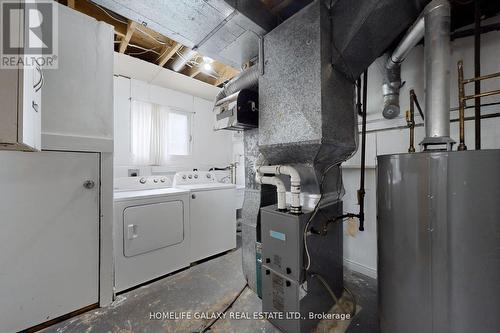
(139, 41)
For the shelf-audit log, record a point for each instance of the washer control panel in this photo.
(141, 183)
(194, 177)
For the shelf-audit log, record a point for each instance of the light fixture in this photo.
(207, 60)
(207, 67)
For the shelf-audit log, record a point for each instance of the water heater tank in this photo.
(439, 242)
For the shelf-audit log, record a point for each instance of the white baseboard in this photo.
(360, 268)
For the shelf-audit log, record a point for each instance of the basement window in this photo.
(158, 132)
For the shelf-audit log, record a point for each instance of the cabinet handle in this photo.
(35, 106)
(89, 184)
(40, 82)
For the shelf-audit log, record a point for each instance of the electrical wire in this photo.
(107, 13)
(332, 294)
(315, 211)
(316, 207)
(214, 320)
(142, 48)
(151, 36)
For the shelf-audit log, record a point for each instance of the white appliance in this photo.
(212, 213)
(151, 229)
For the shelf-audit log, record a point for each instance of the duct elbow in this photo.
(390, 89)
(391, 106)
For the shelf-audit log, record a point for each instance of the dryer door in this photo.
(150, 227)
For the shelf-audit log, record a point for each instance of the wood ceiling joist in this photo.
(127, 32)
(225, 73)
(168, 52)
(131, 26)
(193, 71)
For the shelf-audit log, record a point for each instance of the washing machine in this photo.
(212, 213)
(151, 229)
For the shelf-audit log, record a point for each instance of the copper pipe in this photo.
(461, 105)
(477, 72)
(483, 94)
(462, 99)
(481, 78)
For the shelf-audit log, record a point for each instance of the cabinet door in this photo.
(49, 239)
(30, 105)
(213, 222)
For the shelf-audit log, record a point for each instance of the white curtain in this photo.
(159, 144)
(158, 132)
(141, 132)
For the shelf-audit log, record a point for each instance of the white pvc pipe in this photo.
(280, 188)
(294, 181)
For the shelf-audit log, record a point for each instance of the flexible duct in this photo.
(184, 57)
(248, 79)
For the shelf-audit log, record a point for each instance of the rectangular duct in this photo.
(228, 31)
(306, 107)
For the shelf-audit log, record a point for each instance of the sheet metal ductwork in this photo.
(364, 29)
(185, 56)
(434, 25)
(248, 79)
(306, 94)
(227, 31)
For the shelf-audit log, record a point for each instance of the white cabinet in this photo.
(20, 114)
(213, 222)
(49, 244)
(20, 96)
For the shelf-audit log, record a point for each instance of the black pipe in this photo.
(414, 98)
(361, 191)
(358, 99)
(477, 71)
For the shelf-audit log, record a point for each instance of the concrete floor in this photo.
(204, 288)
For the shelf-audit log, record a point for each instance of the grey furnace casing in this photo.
(286, 288)
(439, 242)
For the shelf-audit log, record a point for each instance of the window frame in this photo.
(167, 109)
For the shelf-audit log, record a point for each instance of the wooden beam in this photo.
(71, 4)
(192, 71)
(167, 52)
(131, 26)
(225, 74)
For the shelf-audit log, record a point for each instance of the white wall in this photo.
(128, 66)
(209, 148)
(76, 97)
(360, 252)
